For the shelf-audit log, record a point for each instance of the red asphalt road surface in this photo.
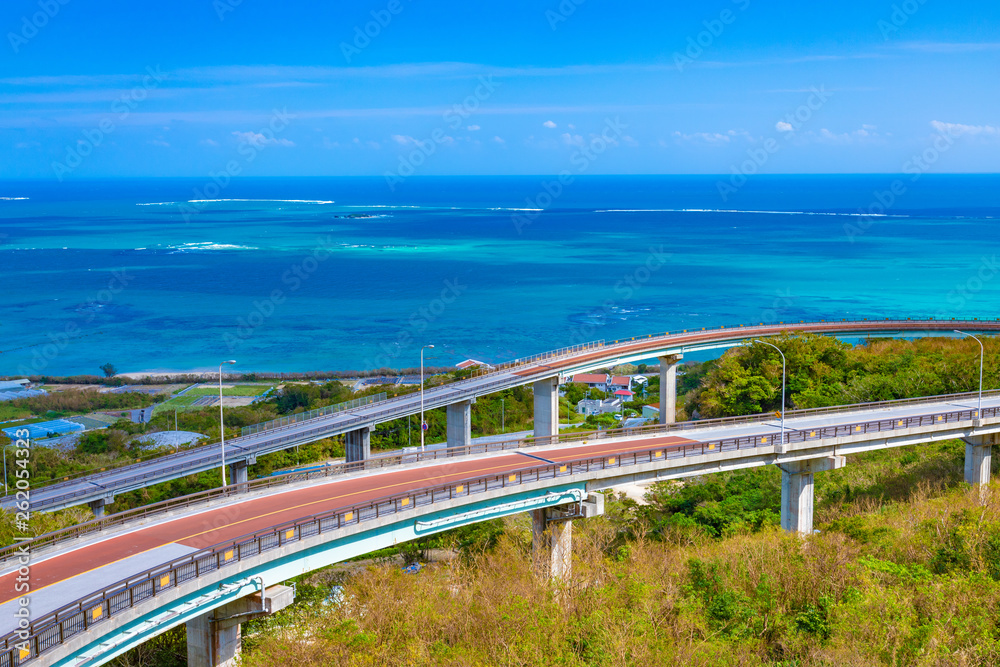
(222, 524)
(708, 335)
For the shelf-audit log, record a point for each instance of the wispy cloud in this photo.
(960, 130)
(949, 47)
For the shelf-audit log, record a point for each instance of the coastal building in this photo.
(471, 363)
(650, 411)
(592, 380)
(620, 382)
(589, 406)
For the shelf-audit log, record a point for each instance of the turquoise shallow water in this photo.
(91, 273)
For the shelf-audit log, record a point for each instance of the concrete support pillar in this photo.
(552, 535)
(561, 541)
(212, 643)
(238, 472)
(978, 459)
(546, 407)
(214, 638)
(797, 492)
(459, 424)
(796, 499)
(97, 507)
(358, 444)
(668, 388)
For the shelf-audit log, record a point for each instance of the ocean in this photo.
(318, 274)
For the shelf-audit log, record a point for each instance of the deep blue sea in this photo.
(341, 273)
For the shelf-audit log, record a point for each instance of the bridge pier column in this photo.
(214, 639)
(797, 492)
(97, 507)
(238, 472)
(978, 459)
(552, 535)
(358, 444)
(459, 428)
(546, 407)
(668, 388)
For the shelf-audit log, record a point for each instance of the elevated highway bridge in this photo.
(544, 372)
(217, 558)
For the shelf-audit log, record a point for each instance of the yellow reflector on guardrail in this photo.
(611, 461)
(348, 516)
(763, 440)
(459, 488)
(940, 418)
(812, 434)
(24, 653)
(96, 612)
(405, 502)
(512, 478)
(290, 533)
(658, 455)
(562, 468)
(164, 581)
(857, 428)
(228, 555)
(899, 423)
(711, 446)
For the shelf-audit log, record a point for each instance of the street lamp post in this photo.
(423, 426)
(757, 340)
(982, 355)
(503, 418)
(222, 426)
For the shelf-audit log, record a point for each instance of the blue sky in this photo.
(99, 88)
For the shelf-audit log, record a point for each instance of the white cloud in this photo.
(782, 126)
(473, 128)
(499, 140)
(571, 139)
(258, 139)
(713, 138)
(160, 143)
(959, 130)
(549, 124)
(209, 142)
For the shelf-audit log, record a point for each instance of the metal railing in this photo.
(400, 459)
(79, 616)
(448, 393)
(311, 414)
